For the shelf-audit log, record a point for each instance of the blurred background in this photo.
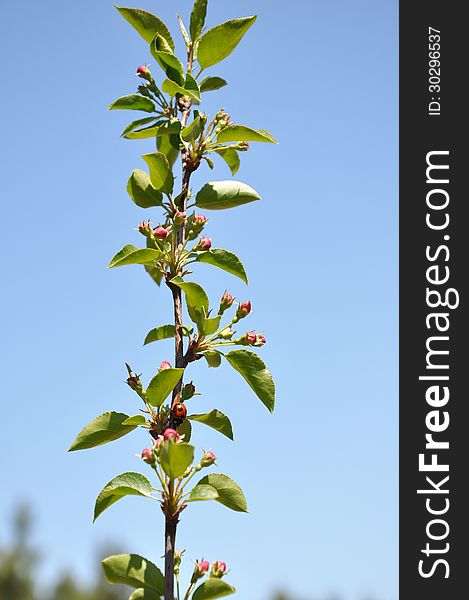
(320, 475)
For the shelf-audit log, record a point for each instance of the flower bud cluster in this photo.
(251, 338)
(217, 571)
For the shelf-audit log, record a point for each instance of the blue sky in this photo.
(320, 475)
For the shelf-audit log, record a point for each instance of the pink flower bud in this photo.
(225, 302)
(165, 365)
(243, 146)
(148, 456)
(260, 341)
(203, 244)
(208, 459)
(199, 219)
(144, 72)
(218, 569)
(251, 337)
(243, 310)
(203, 566)
(161, 233)
(171, 434)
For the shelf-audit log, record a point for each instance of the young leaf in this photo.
(209, 84)
(172, 88)
(213, 588)
(141, 191)
(161, 175)
(185, 35)
(216, 420)
(144, 594)
(175, 458)
(126, 484)
(162, 385)
(135, 420)
(196, 298)
(225, 260)
(219, 42)
(240, 133)
(213, 358)
(130, 255)
(202, 492)
(211, 324)
(192, 131)
(133, 570)
(256, 374)
(218, 195)
(155, 130)
(229, 492)
(147, 24)
(133, 102)
(107, 427)
(164, 332)
(231, 157)
(198, 18)
(185, 429)
(136, 124)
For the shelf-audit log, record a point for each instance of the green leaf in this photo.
(198, 15)
(170, 63)
(133, 102)
(216, 420)
(154, 273)
(146, 23)
(161, 175)
(231, 157)
(169, 146)
(135, 420)
(192, 131)
(136, 124)
(219, 42)
(201, 493)
(185, 429)
(256, 374)
(107, 427)
(241, 133)
(126, 484)
(141, 190)
(218, 195)
(175, 458)
(225, 260)
(209, 84)
(162, 385)
(213, 588)
(172, 88)
(164, 332)
(157, 129)
(210, 325)
(144, 594)
(196, 298)
(229, 492)
(213, 358)
(130, 255)
(133, 570)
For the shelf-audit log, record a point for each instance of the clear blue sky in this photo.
(321, 252)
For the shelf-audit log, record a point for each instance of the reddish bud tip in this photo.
(148, 456)
(203, 566)
(165, 365)
(199, 219)
(144, 72)
(208, 459)
(145, 228)
(203, 244)
(243, 146)
(251, 337)
(171, 434)
(161, 233)
(260, 341)
(179, 217)
(218, 569)
(243, 310)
